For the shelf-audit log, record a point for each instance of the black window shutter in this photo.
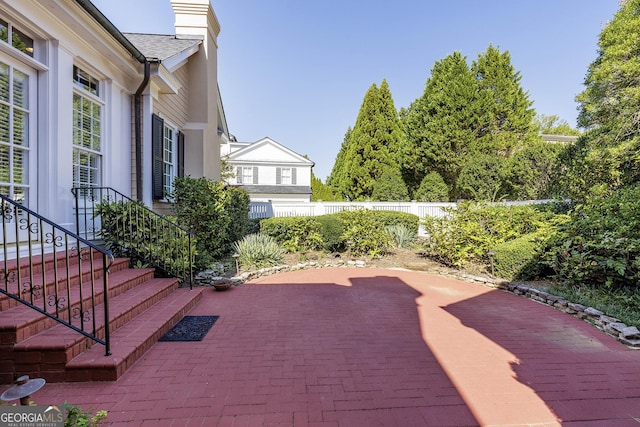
(180, 154)
(157, 127)
(293, 176)
(255, 175)
(278, 176)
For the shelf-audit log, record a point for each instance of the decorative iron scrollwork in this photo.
(83, 254)
(79, 314)
(8, 211)
(32, 226)
(8, 276)
(58, 303)
(29, 288)
(56, 240)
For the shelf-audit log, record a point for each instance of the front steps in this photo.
(142, 308)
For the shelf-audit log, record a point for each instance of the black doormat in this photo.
(190, 328)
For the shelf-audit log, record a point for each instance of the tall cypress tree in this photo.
(337, 177)
(441, 125)
(506, 124)
(372, 146)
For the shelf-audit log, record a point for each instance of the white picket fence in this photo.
(421, 209)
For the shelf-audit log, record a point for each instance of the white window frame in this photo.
(82, 150)
(169, 156)
(28, 147)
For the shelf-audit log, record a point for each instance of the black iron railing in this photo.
(130, 229)
(54, 271)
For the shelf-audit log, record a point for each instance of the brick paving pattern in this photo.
(373, 347)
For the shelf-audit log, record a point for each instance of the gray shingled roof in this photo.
(276, 189)
(161, 46)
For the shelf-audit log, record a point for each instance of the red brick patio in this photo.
(373, 347)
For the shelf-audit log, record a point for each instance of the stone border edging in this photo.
(627, 335)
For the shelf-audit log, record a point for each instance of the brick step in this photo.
(46, 354)
(46, 262)
(22, 322)
(49, 278)
(131, 341)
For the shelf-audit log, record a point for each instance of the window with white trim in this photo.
(286, 176)
(169, 157)
(19, 40)
(167, 145)
(16, 116)
(247, 175)
(87, 130)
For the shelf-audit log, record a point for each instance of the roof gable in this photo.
(266, 150)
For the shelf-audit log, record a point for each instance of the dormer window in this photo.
(16, 38)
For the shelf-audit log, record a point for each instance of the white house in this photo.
(82, 104)
(268, 170)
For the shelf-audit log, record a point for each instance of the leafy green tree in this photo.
(608, 109)
(432, 189)
(372, 145)
(390, 188)
(553, 125)
(442, 124)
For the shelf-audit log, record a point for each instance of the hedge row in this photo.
(359, 231)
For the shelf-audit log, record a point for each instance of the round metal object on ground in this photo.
(23, 387)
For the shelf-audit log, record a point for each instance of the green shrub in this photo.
(130, 230)
(519, 258)
(364, 233)
(388, 218)
(467, 233)
(600, 244)
(296, 233)
(78, 417)
(258, 251)
(215, 213)
(237, 207)
(401, 235)
(432, 189)
(331, 231)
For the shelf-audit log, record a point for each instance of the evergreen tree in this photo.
(320, 191)
(390, 188)
(372, 146)
(442, 124)
(609, 110)
(482, 178)
(337, 178)
(432, 189)
(506, 124)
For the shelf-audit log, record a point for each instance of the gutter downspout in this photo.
(137, 118)
(137, 100)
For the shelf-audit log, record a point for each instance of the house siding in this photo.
(173, 107)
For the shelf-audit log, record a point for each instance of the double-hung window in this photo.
(286, 176)
(247, 175)
(87, 130)
(17, 116)
(168, 154)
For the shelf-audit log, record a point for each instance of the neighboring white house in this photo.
(268, 170)
(82, 104)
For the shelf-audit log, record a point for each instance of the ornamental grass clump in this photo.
(401, 235)
(258, 251)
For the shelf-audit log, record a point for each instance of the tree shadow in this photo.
(582, 375)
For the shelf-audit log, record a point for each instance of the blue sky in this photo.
(297, 70)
